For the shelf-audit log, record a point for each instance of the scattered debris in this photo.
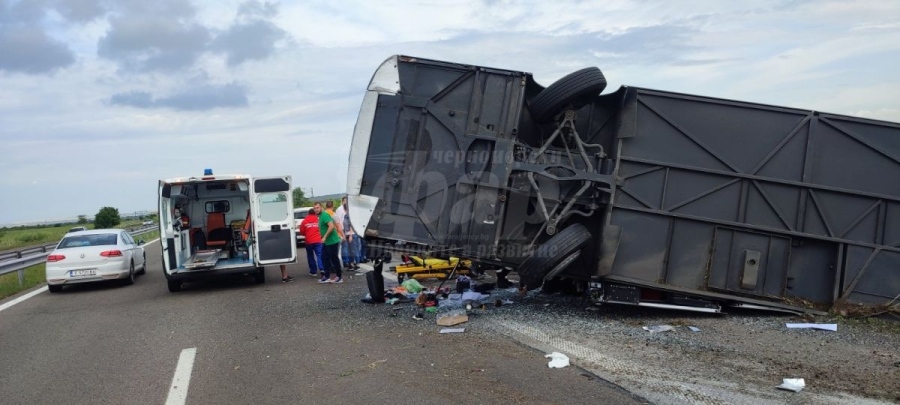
(431, 310)
(419, 316)
(374, 364)
(694, 328)
(557, 360)
(792, 384)
(452, 330)
(659, 328)
(821, 326)
(474, 296)
(453, 318)
(412, 285)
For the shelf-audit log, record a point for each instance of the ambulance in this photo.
(214, 225)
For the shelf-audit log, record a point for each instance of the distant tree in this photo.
(108, 217)
(82, 219)
(300, 199)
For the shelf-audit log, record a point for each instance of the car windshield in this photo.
(300, 215)
(88, 240)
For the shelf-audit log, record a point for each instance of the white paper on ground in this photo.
(694, 328)
(453, 330)
(821, 326)
(658, 328)
(792, 384)
(557, 360)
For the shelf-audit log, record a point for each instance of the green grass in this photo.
(147, 237)
(15, 238)
(9, 283)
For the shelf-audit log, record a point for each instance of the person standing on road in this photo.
(331, 239)
(285, 278)
(350, 244)
(309, 228)
(349, 256)
(338, 216)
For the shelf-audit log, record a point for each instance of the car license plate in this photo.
(90, 272)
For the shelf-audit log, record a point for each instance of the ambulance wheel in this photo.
(260, 276)
(554, 256)
(174, 286)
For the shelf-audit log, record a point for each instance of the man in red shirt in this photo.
(309, 227)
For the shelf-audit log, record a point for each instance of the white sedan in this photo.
(95, 255)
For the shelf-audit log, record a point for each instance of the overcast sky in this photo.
(99, 99)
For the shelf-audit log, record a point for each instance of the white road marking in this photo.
(179, 389)
(23, 298)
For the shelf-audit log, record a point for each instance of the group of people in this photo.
(331, 244)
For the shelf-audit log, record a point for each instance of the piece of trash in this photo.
(237, 367)
(507, 302)
(397, 309)
(658, 328)
(431, 310)
(557, 360)
(792, 384)
(392, 301)
(453, 330)
(412, 285)
(820, 326)
(474, 296)
(694, 328)
(453, 318)
(592, 309)
(419, 316)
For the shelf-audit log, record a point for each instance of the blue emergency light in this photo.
(207, 172)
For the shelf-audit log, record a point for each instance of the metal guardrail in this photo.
(23, 262)
(18, 254)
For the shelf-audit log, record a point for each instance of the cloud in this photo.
(252, 36)
(24, 46)
(81, 11)
(29, 50)
(198, 98)
(154, 36)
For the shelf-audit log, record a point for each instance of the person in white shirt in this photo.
(350, 242)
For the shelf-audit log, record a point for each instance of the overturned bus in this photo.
(640, 196)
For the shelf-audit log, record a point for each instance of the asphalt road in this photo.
(296, 342)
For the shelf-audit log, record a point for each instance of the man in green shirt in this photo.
(331, 246)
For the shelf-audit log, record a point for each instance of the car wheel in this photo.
(260, 276)
(130, 279)
(174, 286)
(554, 256)
(144, 266)
(576, 89)
(54, 288)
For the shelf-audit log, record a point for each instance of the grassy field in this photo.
(15, 238)
(9, 283)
